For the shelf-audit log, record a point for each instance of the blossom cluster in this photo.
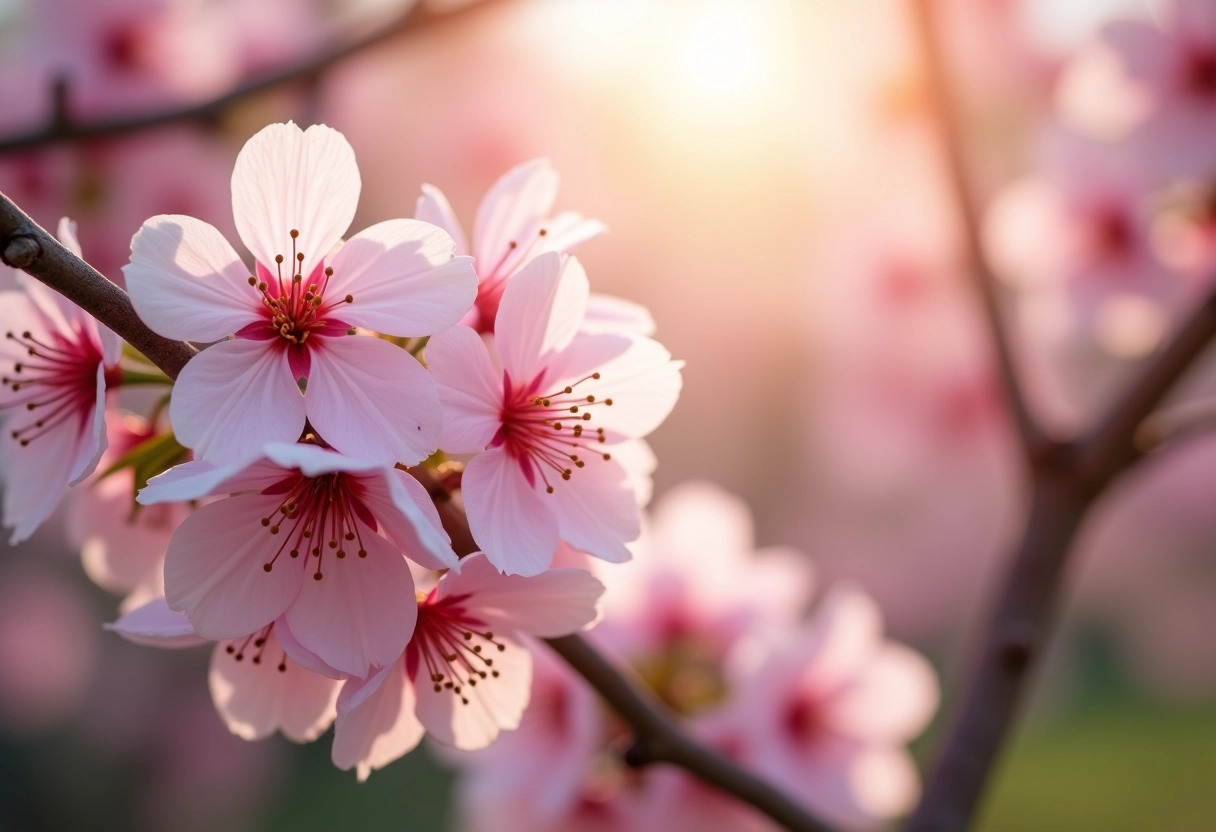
(348, 392)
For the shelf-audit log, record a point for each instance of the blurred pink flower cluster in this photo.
(821, 707)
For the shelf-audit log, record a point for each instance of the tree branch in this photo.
(1066, 479)
(1033, 441)
(62, 127)
(30, 248)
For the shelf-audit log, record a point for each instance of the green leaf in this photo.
(153, 456)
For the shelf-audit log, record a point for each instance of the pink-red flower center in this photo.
(295, 308)
(55, 383)
(1199, 72)
(318, 516)
(452, 646)
(549, 435)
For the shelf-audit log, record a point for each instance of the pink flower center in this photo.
(452, 646)
(253, 647)
(295, 309)
(549, 434)
(318, 516)
(57, 382)
(802, 719)
(491, 282)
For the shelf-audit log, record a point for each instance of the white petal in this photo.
(198, 478)
(433, 207)
(361, 612)
(36, 477)
(493, 704)
(215, 568)
(514, 525)
(286, 179)
(234, 397)
(155, 625)
(408, 517)
(403, 279)
(541, 310)
(597, 510)
(606, 313)
(554, 603)
(186, 282)
(373, 400)
(376, 723)
(511, 208)
(265, 691)
(469, 387)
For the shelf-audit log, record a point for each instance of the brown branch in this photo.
(1033, 441)
(62, 127)
(1066, 480)
(30, 248)
(25, 245)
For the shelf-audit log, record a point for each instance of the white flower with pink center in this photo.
(466, 674)
(544, 417)
(311, 535)
(256, 687)
(294, 194)
(512, 226)
(55, 364)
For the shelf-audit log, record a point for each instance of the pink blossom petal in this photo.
(373, 400)
(494, 704)
(569, 230)
(37, 476)
(215, 568)
(554, 603)
(513, 205)
(606, 313)
(403, 278)
(121, 548)
(155, 625)
(234, 397)
(841, 638)
(469, 387)
(361, 613)
(407, 516)
(541, 310)
(639, 462)
(376, 723)
(186, 281)
(891, 701)
(256, 698)
(301, 655)
(198, 478)
(315, 461)
(433, 207)
(289, 179)
(636, 373)
(91, 441)
(596, 510)
(514, 525)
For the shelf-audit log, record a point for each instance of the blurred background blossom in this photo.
(772, 190)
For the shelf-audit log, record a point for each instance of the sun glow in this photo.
(721, 51)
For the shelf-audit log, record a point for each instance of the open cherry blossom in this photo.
(826, 713)
(311, 535)
(55, 364)
(544, 418)
(294, 194)
(256, 687)
(466, 674)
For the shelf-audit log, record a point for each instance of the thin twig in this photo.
(979, 270)
(27, 246)
(44, 258)
(62, 127)
(1169, 427)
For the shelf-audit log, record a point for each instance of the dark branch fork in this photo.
(1066, 478)
(659, 738)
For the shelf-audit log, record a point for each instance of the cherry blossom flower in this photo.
(468, 644)
(294, 195)
(826, 712)
(256, 687)
(56, 362)
(512, 226)
(543, 420)
(301, 538)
